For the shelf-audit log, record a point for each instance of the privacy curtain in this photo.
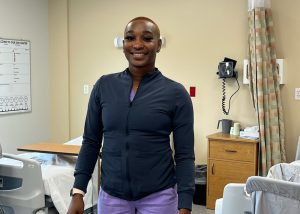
(264, 85)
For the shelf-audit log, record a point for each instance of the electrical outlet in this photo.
(297, 93)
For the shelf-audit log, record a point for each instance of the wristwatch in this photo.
(72, 193)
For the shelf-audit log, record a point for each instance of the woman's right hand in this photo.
(76, 205)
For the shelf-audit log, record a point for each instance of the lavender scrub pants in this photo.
(157, 203)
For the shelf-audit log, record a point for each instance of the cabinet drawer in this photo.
(232, 150)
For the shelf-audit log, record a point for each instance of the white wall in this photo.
(28, 20)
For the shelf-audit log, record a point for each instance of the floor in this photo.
(198, 209)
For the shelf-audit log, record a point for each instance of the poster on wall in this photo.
(15, 89)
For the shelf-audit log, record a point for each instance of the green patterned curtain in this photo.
(264, 87)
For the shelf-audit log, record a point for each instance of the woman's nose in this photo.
(138, 44)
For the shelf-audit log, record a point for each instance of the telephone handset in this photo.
(226, 70)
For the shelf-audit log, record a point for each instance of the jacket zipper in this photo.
(127, 133)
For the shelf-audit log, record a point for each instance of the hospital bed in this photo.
(40, 183)
(277, 193)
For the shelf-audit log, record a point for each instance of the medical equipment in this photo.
(21, 188)
(45, 183)
(273, 196)
(234, 201)
(298, 150)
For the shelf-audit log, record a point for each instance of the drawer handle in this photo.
(230, 151)
(212, 168)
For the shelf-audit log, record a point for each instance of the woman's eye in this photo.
(129, 38)
(148, 39)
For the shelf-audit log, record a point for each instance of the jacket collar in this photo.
(147, 77)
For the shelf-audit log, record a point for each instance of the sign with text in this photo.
(15, 90)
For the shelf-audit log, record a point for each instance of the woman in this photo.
(135, 111)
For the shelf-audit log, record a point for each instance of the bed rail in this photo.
(21, 186)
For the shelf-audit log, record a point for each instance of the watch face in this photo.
(71, 192)
(225, 69)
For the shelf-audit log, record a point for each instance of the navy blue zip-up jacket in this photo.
(137, 158)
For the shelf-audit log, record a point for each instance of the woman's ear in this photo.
(159, 45)
(123, 45)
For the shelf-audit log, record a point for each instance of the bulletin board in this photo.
(15, 84)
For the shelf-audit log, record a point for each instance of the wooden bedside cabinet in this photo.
(230, 159)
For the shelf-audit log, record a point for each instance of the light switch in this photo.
(297, 93)
(85, 89)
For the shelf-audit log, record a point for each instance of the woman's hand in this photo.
(184, 211)
(77, 204)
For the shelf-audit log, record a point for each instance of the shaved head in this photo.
(142, 18)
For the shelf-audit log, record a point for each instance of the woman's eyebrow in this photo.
(145, 31)
(130, 31)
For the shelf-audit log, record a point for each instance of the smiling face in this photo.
(141, 43)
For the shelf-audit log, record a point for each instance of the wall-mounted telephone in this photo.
(226, 70)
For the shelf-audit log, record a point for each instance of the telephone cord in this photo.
(224, 96)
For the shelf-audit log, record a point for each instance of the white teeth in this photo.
(138, 54)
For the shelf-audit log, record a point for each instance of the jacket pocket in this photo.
(111, 171)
